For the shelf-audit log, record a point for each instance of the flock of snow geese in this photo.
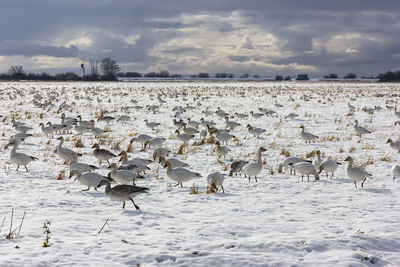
(127, 171)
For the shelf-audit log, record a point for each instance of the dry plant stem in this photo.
(1, 227)
(22, 221)
(9, 236)
(106, 223)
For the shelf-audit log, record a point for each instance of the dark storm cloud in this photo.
(29, 28)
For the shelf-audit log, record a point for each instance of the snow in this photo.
(279, 221)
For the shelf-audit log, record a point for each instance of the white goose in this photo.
(19, 159)
(65, 153)
(214, 180)
(255, 131)
(123, 192)
(230, 124)
(48, 130)
(317, 162)
(180, 175)
(151, 125)
(155, 142)
(190, 130)
(90, 179)
(97, 132)
(123, 176)
(82, 167)
(288, 162)
(254, 168)
(183, 137)
(102, 154)
(356, 173)
(306, 168)
(221, 150)
(395, 171)
(394, 145)
(308, 137)
(360, 130)
(176, 163)
(329, 166)
(141, 138)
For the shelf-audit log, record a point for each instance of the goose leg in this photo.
(108, 163)
(123, 205)
(249, 178)
(26, 168)
(302, 178)
(136, 206)
(308, 178)
(223, 191)
(332, 175)
(327, 175)
(362, 184)
(17, 168)
(255, 177)
(355, 184)
(177, 184)
(87, 189)
(181, 184)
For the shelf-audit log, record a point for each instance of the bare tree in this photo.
(93, 68)
(109, 67)
(16, 70)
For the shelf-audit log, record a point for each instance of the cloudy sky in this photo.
(235, 36)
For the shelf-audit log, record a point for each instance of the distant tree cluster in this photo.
(224, 75)
(331, 76)
(17, 72)
(389, 76)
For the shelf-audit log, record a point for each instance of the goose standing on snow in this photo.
(360, 130)
(81, 167)
(155, 142)
(151, 125)
(123, 192)
(180, 175)
(288, 163)
(221, 150)
(65, 153)
(308, 137)
(185, 138)
(48, 130)
(254, 168)
(356, 173)
(90, 179)
(102, 154)
(141, 138)
(306, 168)
(329, 166)
(394, 145)
(317, 162)
(19, 159)
(255, 131)
(395, 171)
(214, 180)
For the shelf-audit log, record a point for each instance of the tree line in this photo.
(110, 70)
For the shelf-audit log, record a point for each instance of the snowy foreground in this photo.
(278, 221)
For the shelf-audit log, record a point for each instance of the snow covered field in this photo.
(277, 221)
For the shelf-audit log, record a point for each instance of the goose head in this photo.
(262, 149)
(41, 124)
(60, 138)
(12, 143)
(389, 141)
(302, 127)
(74, 173)
(349, 159)
(113, 166)
(96, 146)
(167, 164)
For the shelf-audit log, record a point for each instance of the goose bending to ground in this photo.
(254, 168)
(48, 130)
(102, 154)
(82, 167)
(90, 179)
(306, 168)
(22, 128)
(19, 159)
(395, 171)
(180, 175)
(190, 130)
(308, 137)
(255, 131)
(237, 166)
(123, 192)
(65, 153)
(356, 173)
(214, 180)
(329, 166)
(183, 137)
(151, 125)
(291, 116)
(123, 176)
(155, 142)
(176, 163)
(124, 157)
(221, 150)
(141, 138)
(161, 151)
(288, 162)
(394, 145)
(360, 130)
(241, 115)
